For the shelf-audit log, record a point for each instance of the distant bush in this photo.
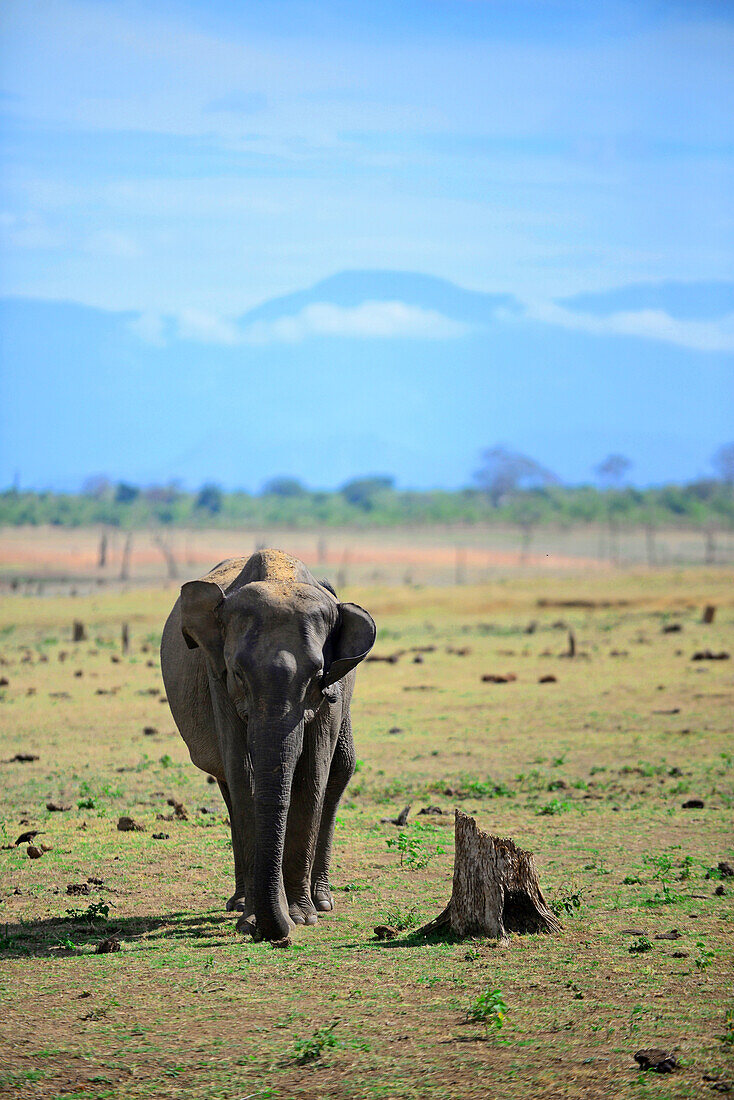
(210, 499)
(284, 487)
(373, 502)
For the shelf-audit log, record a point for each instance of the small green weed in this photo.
(728, 1036)
(111, 792)
(489, 1009)
(705, 956)
(413, 854)
(555, 806)
(663, 866)
(480, 788)
(640, 946)
(401, 917)
(686, 868)
(310, 1050)
(568, 899)
(97, 911)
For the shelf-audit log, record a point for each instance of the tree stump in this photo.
(495, 890)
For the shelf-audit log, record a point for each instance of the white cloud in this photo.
(397, 321)
(191, 324)
(369, 320)
(648, 324)
(207, 328)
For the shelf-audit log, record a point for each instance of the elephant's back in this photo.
(226, 572)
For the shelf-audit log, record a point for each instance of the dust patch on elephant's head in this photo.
(279, 567)
(280, 573)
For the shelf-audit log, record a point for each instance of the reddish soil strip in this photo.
(39, 555)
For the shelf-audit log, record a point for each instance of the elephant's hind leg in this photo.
(342, 769)
(241, 899)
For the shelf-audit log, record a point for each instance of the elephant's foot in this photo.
(276, 928)
(303, 912)
(322, 896)
(242, 900)
(248, 926)
(238, 903)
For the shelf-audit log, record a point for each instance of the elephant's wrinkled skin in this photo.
(258, 661)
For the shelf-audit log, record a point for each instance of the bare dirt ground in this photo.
(592, 771)
(52, 557)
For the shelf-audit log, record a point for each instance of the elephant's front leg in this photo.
(342, 769)
(304, 816)
(236, 790)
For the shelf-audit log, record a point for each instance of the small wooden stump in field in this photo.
(496, 889)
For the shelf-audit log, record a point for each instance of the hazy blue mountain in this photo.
(83, 393)
(350, 288)
(684, 301)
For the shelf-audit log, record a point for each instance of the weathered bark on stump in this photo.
(496, 889)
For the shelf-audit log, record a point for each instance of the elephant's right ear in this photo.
(199, 620)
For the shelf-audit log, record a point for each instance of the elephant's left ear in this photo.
(199, 621)
(351, 642)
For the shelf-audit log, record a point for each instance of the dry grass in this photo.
(589, 772)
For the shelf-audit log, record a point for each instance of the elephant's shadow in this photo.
(60, 937)
(65, 937)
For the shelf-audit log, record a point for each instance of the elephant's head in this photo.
(280, 650)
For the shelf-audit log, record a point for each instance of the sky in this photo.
(175, 166)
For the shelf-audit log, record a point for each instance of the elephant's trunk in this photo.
(275, 746)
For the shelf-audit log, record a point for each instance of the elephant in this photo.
(258, 661)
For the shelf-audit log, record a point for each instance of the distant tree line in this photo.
(509, 487)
